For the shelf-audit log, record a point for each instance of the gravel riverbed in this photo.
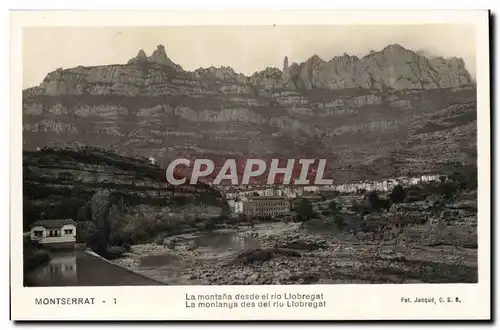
(279, 253)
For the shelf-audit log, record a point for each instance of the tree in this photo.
(448, 189)
(376, 203)
(397, 194)
(65, 176)
(373, 198)
(115, 217)
(85, 230)
(84, 213)
(121, 204)
(360, 191)
(99, 206)
(333, 207)
(304, 210)
(339, 221)
(97, 242)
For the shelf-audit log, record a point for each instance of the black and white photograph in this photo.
(396, 125)
(251, 155)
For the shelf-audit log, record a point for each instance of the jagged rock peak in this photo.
(394, 47)
(159, 56)
(285, 68)
(316, 59)
(141, 55)
(268, 72)
(216, 70)
(394, 67)
(139, 58)
(424, 53)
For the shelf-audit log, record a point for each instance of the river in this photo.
(170, 266)
(210, 258)
(78, 268)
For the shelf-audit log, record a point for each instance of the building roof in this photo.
(54, 223)
(311, 196)
(267, 197)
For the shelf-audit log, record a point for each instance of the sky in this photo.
(244, 48)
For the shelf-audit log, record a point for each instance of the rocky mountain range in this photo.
(387, 113)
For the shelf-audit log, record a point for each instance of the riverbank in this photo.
(279, 253)
(196, 247)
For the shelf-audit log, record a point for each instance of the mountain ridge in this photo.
(296, 75)
(390, 108)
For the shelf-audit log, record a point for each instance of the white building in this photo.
(231, 195)
(313, 189)
(54, 233)
(238, 207)
(231, 203)
(271, 191)
(260, 192)
(299, 191)
(414, 181)
(289, 192)
(429, 178)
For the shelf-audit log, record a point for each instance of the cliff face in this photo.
(355, 112)
(60, 183)
(393, 68)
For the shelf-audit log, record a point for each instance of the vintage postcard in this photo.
(250, 165)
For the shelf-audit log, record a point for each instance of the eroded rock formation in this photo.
(357, 112)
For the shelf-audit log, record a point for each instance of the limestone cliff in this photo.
(59, 183)
(354, 111)
(394, 68)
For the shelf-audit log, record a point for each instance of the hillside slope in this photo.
(85, 184)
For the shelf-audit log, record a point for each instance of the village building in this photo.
(312, 189)
(56, 233)
(262, 206)
(238, 206)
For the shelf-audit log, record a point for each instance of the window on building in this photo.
(55, 233)
(38, 233)
(68, 231)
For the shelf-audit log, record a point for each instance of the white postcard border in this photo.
(344, 302)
